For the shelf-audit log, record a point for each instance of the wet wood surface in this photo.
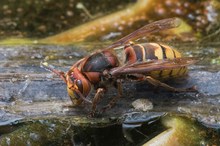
(27, 90)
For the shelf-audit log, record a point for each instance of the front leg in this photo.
(99, 94)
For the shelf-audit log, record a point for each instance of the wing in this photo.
(152, 65)
(147, 29)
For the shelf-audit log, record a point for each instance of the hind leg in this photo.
(158, 83)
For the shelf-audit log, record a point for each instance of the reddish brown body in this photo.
(149, 61)
(94, 65)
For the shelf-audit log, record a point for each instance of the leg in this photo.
(96, 99)
(157, 83)
(114, 99)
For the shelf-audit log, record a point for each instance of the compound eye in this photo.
(79, 85)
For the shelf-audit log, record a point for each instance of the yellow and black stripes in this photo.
(163, 51)
(149, 51)
(154, 51)
(169, 73)
(166, 51)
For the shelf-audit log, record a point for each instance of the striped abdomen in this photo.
(154, 51)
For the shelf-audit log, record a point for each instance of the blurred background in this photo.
(113, 19)
(33, 100)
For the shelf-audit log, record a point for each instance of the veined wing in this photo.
(152, 65)
(147, 29)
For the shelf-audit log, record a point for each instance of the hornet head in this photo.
(78, 87)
